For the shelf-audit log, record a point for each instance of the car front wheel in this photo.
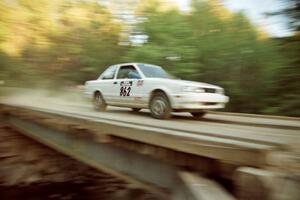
(160, 107)
(99, 103)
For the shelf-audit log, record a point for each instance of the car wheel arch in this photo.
(159, 90)
(98, 92)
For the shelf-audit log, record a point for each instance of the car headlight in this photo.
(192, 89)
(220, 91)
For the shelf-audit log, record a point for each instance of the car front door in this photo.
(127, 81)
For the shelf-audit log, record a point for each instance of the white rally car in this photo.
(139, 85)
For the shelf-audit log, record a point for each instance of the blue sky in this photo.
(255, 10)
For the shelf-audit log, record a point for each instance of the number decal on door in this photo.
(125, 91)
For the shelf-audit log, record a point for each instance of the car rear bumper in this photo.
(199, 101)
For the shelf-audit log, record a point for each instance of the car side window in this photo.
(109, 73)
(128, 72)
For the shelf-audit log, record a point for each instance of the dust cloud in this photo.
(44, 98)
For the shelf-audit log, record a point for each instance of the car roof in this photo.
(129, 63)
(135, 63)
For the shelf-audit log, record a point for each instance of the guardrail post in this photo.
(194, 187)
(253, 183)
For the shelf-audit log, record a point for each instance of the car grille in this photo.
(210, 103)
(209, 90)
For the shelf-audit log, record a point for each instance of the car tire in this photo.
(99, 102)
(135, 109)
(160, 106)
(198, 115)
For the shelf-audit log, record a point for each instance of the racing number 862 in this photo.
(125, 91)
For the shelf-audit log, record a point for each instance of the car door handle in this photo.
(115, 82)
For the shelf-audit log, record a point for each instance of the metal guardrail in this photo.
(151, 173)
(257, 115)
(250, 153)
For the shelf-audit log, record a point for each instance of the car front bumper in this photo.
(199, 101)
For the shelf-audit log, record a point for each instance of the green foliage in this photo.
(286, 84)
(58, 40)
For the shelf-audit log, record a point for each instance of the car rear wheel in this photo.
(198, 115)
(99, 102)
(135, 109)
(159, 106)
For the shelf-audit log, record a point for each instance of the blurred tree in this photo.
(286, 81)
(64, 40)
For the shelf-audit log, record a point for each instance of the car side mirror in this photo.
(134, 75)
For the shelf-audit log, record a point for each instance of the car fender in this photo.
(166, 90)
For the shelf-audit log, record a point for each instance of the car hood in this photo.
(191, 83)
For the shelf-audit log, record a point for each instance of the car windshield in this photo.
(154, 71)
